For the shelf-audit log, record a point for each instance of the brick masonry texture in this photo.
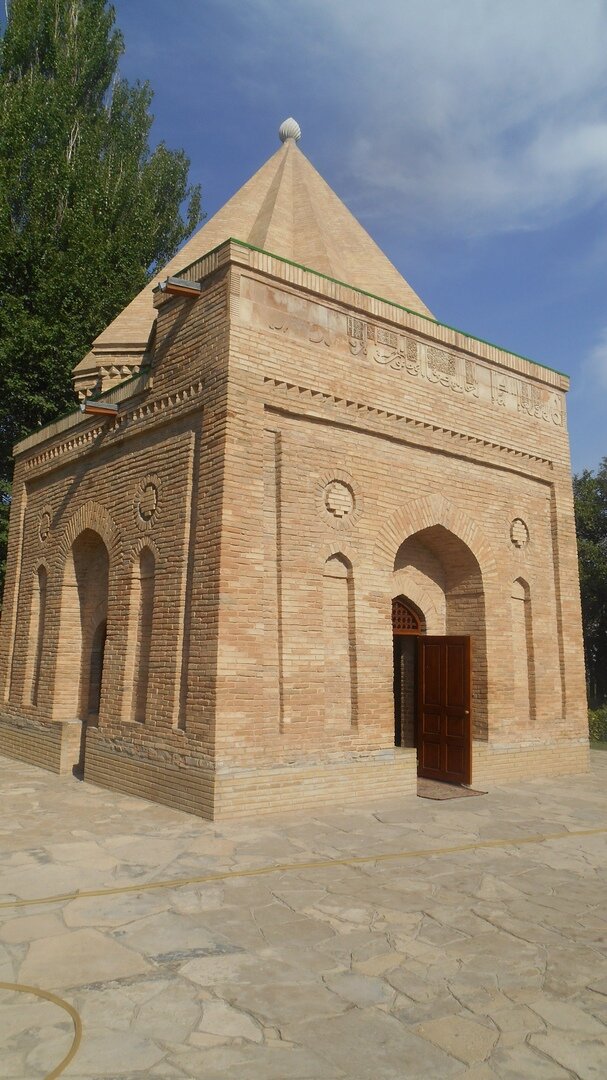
(198, 597)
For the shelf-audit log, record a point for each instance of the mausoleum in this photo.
(301, 543)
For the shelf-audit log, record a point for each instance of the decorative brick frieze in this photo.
(364, 412)
(164, 408)
(402, 355)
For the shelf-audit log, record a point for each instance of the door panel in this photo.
(430, 752)
(455, 689)
(432, 674)
(456, 727)
(431, 723)
(455, 761)
(444, 722)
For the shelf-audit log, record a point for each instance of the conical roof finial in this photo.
(289, 129)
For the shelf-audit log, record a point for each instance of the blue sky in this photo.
(468, 136)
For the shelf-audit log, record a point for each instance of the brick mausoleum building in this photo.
(322, 542)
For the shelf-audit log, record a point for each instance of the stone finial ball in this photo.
(289, 129)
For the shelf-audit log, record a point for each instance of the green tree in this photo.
(87, 209)
(590, 492)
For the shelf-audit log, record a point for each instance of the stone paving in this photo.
(333, 947)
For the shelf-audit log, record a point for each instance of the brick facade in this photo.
(295, 453)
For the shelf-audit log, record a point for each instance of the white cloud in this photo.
(478, 115)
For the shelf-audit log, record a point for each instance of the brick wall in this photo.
(298, 455)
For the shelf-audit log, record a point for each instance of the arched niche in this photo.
(82, 634)
(339, 639)
(143, 602)
(37, 624)
(523, 674)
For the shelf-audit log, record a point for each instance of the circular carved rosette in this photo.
(519, 533)
(146, 503)
(340, 505)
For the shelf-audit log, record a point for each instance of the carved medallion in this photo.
(44, 525)
(339, 499)
(340, 505)
(519, 533)
(146, 502)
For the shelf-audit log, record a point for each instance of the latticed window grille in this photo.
(404, 620)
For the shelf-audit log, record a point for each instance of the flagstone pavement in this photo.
(403, 939)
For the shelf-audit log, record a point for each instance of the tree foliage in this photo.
(590, 491)
(87, 209)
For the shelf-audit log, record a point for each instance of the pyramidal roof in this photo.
(286, 209)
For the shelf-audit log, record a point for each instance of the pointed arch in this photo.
(94, 516)
(407, 618)
(439, 559)
(423, 514)
(342, 551)
(426, 597)
(138, 547)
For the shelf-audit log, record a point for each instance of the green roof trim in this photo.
(374, 296)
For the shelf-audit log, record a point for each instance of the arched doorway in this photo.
(437, 568)
(407, 624)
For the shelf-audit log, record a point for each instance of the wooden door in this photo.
(444, 732)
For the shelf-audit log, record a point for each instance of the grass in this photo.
(597, 726)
